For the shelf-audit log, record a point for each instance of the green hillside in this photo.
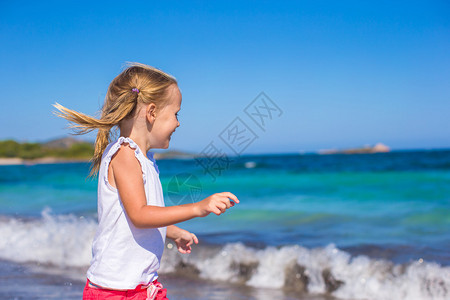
(67, 148)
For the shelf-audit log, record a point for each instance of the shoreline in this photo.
(39, 161)
(44, 284)
(14, 161)
(8, 161)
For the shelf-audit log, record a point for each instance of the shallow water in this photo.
(350, 226)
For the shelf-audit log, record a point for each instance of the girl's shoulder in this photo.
(129, 147)
(113, 147)
(124, 154)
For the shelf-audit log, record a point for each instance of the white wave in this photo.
(61, 241)
(250, 164)
(65, 242)
(320, 271)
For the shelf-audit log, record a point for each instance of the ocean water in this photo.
(367, 226)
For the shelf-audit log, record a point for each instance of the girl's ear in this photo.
(151, 113)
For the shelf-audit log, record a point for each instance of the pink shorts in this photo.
(139, 293)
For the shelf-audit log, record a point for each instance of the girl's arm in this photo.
(173, 232)
(127, 175)
(183, 238)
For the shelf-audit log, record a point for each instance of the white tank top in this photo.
(124, 256)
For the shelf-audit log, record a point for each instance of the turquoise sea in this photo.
(363, 226)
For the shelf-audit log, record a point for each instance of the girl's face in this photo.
(166, 119)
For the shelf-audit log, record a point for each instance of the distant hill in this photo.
(62, 143)
(61, 149)
(173, 154)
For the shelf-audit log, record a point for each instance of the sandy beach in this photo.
(4, 161)
(44, 160)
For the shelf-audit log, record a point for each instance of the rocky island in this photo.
(378, 148)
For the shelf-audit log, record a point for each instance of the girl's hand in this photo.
(184, 240)
(216, 203)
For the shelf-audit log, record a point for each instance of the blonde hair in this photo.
(120, 103)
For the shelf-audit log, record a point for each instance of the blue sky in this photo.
(344, 73)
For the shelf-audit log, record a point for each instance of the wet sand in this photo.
(23, 282)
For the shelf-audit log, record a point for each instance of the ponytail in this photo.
(102, 140)
(120, 102)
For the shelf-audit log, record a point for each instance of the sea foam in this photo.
(60, 241)
(65, 242)
(317, 271)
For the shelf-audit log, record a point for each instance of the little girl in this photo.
(143, 103)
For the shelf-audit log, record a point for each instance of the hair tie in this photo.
(136, 90)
